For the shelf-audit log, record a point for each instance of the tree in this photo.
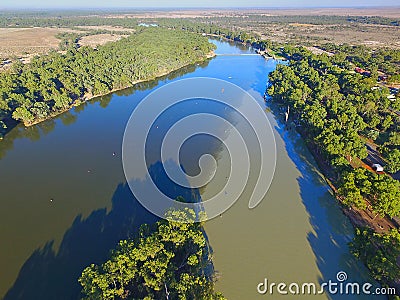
(335, 114)
(393, 161)
(394, 138)
(315, 114)
(21, 113)
(40, 110)
(385, 193)
(379, 252)
(173, 262)
(350, 188)
(372, 134)
(386, 123)
(394, 78)
(49, 84)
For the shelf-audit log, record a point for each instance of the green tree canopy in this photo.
(379, 252)
(171, 262)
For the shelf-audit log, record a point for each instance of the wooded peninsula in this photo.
(53, 83)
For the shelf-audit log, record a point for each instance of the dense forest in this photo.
(339, 112)
(53, 83)
(62, 19)
(170, 261)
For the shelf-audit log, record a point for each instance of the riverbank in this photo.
(357, 217)
(82, 223)
(88, 97)
(266, 54)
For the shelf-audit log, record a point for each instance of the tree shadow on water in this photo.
(53, 275)
(332, 231)
(48, 274)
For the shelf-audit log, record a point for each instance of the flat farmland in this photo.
(26, 42)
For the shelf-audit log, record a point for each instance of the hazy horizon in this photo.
(191, 4)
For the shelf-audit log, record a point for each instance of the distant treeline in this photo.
(375, 20)
(97, 18)
(303, 19)
(10, 21)
(316, 20)
(53, 83)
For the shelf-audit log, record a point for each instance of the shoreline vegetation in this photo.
(54, 83)
(368, 199)
(336, 111)
(334, 108)
(376, 239)
(171, 259)
(90, 97)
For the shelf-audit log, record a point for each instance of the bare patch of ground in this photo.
(99, 39)
(26, 42)
(319, 51)
(109, 28)
(301, 25)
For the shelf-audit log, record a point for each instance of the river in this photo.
(65, 202)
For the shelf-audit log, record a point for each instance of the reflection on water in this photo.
(68, 118)
(65, 201)
(60, 169)
(89, 240)
(50, 274)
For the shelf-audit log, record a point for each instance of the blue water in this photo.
(65, 202)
